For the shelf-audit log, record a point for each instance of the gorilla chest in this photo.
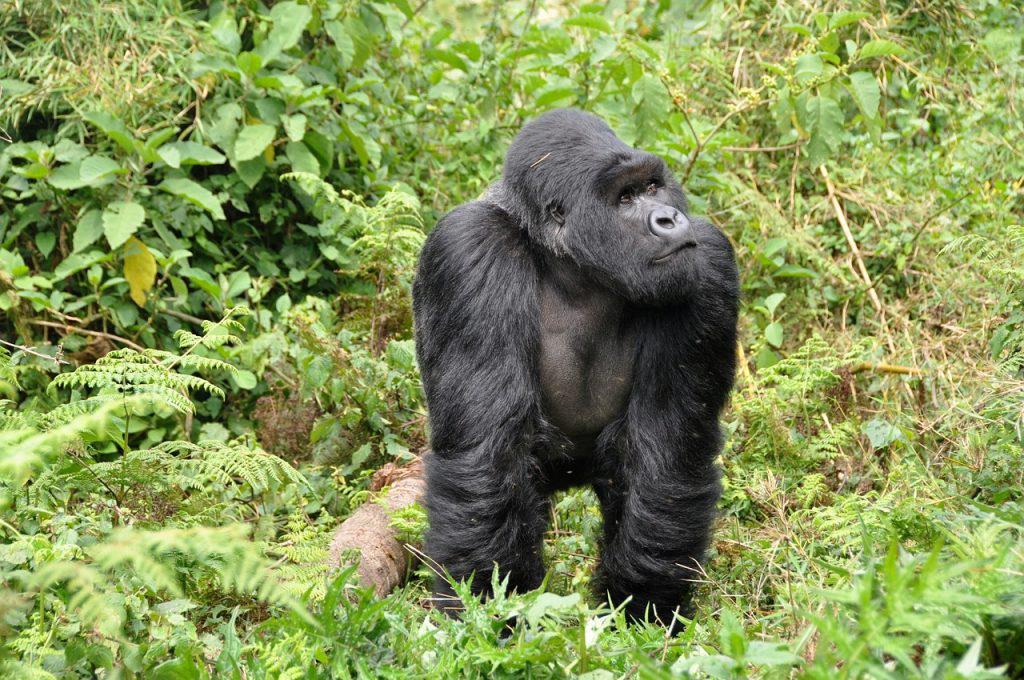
(587, 350)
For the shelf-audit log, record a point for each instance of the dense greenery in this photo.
(210, 217)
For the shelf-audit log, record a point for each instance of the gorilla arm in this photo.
(476, 316)
(658, 527)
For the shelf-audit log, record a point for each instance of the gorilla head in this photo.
(617, 212)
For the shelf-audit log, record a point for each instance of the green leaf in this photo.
(808, 67)
(252, 140)
(139, 270)
(120, 220)
(793, 271)
(879, 48)
(864, 89)
(1002, 43)
(238, 283)
(769, 654)
(289, 20)
(245, 380)
(881, 433)
(772, 302)
(773, 334)
(96, 167)
(190, 153)
(45, 241)
(589, 20)
(194, 193)
(825, 120)
(89, 228)
(840, 19)
(448, 57)
(225, 31)
(203, 280)
(113, 128)
(553, 95)
(249, 63)
(294, 126)
(89, 172)
(251, 171)
(549, 603)
(342, 42)
(301, 158)
(67, 177)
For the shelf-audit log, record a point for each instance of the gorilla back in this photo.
(576, 326)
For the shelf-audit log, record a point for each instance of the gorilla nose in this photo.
(669, 224)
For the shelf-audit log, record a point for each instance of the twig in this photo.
(841, 216)
(701, 143)
(761, 149)
(82, 331)
(884, 368)
(28, 350)
(415, 11)
(183, 316)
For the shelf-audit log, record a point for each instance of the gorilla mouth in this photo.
(686, 245)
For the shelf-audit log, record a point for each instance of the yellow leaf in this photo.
(139, 269)
(268, 154)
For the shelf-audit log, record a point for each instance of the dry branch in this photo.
(367, 533)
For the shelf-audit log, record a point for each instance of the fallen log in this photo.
(367, 534)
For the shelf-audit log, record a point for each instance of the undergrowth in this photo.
(210, 215)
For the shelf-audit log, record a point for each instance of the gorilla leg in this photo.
(657, 525)
(481, 516)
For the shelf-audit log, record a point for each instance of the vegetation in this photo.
(209, 220)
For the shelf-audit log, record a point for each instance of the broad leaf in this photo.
(96, 167)
(289, 19)
(90, 228)
(879, 48)
(113, 128)
(252, 140)
(825, 120)
(864, 89)
(120, 220)
(190, 153)
(194, 193)
(301, 158)
(808, 67)
(589, 20)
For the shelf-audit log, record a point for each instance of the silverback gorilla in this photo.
(576, 326)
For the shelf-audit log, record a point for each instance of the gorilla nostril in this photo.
(665, 222)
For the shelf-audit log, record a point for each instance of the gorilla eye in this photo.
(652, 188)
(626, 198)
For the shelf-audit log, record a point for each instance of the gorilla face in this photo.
(615, 211)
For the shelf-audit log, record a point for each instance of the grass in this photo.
(872, 523)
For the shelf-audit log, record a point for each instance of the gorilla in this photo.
(575, 326)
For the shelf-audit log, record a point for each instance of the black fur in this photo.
(497, 457)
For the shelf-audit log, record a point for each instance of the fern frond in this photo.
(134, 373)
(23, 451)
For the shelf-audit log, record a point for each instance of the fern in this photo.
(128, 372)
(158, 560)
(8, 376)
(24, 448)
(177, 464)
(197, 465)
(811, 377)
(304, 551)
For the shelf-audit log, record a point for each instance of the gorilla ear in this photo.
(555, 213)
